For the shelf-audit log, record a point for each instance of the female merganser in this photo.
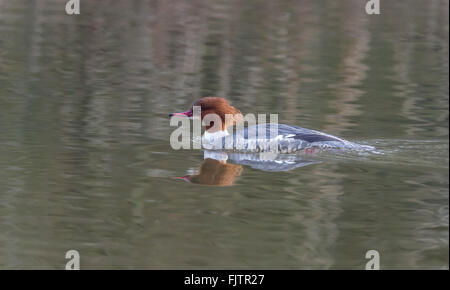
(262, 137)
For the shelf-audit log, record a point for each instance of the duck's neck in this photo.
(215, 135)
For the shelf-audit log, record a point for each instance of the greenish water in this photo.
(85, 160)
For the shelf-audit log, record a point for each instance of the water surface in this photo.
(85, 160)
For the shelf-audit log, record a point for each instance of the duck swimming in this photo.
(261, 137)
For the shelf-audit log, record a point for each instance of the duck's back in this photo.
(281, 138)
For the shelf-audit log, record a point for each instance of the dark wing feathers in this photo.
(289, 131)
(313, 137)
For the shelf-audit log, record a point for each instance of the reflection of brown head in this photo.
(213, 172)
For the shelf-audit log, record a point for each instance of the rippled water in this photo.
(85, 160)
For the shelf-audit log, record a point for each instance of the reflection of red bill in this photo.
(185, 178)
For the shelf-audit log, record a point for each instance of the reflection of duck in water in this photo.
(216, 171)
